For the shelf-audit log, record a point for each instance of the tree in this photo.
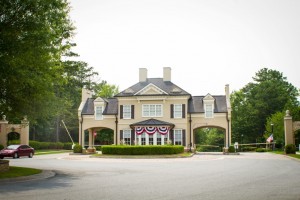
(105, 90)
(34, 35)
(252, 105)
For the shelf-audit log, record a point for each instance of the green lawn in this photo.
(50, 151)
(19, 171)
(282, 153)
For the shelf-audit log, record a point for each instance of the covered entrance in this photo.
(150, 132)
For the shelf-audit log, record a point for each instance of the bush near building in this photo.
(142, 150)
(290, 149)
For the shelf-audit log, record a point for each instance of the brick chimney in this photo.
(142, 74)
(167, 73)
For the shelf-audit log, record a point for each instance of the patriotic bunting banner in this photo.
(150, 130)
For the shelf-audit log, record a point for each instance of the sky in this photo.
(207, 43)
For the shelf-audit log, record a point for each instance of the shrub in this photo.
(248, 148)
(231, 149)
(142, 150)
(290, 149)
(261, 150)
(77, 148)
(68, 146)
(98, 148)
(35, 144)
(1, 147)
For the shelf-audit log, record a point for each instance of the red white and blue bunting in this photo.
(150, 130)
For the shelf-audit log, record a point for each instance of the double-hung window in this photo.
(178, 137)
(126, 111)
(98, 112)
(177, 110)
(208, 111)
(127, 137)
(152, 110)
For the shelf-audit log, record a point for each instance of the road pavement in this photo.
(235, 177)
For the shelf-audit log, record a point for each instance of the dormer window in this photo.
(98, 112)
(208, 102)
(209, 111)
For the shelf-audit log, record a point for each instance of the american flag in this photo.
(270, 139)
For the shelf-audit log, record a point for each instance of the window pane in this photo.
(126, 111)
(178, 111)
(145, 110)
(177, 137)
(208, 111)
(98, 112)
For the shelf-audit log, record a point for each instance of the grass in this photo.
(282, 153)
(181, 155)
(14, 172)
(50, 151)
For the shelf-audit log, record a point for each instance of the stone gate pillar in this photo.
(3, 125)
(288, 129)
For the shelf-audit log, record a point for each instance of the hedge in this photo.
(142, 150)
(50, 145)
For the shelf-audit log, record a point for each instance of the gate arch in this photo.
(22, 129)
(201, 141)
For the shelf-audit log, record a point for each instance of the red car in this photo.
(16, 151)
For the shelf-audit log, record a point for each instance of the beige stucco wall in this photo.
(22, 129)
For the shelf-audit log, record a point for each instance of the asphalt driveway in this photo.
(246, 176)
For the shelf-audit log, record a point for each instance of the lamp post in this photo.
(272, 126)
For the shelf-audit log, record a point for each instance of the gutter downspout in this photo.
(116, 129)
(81, 122)
(190, 132)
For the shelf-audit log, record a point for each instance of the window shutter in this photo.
(172, 110)
(183, 110)
(132, 111)
(121, 135)
(121, 111)
(171, 136)
(183, 138)
(132, 137)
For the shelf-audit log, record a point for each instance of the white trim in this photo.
(148, 87)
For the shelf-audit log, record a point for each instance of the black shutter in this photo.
(121, 135)
(121, 111)
(172, 110)
(132, 137)
(183, 138)
(132, 111)
(183, 110)
(171, 136)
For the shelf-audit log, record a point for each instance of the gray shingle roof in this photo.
(167, 86)
(196, 104)
(110, 109)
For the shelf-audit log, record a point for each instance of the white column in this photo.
(140, 139)
(162, 139)
(147, 139)
(155, 138)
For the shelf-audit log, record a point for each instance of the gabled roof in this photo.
(167, 86)
(196, 104)
(111, 107)
(152, 122)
